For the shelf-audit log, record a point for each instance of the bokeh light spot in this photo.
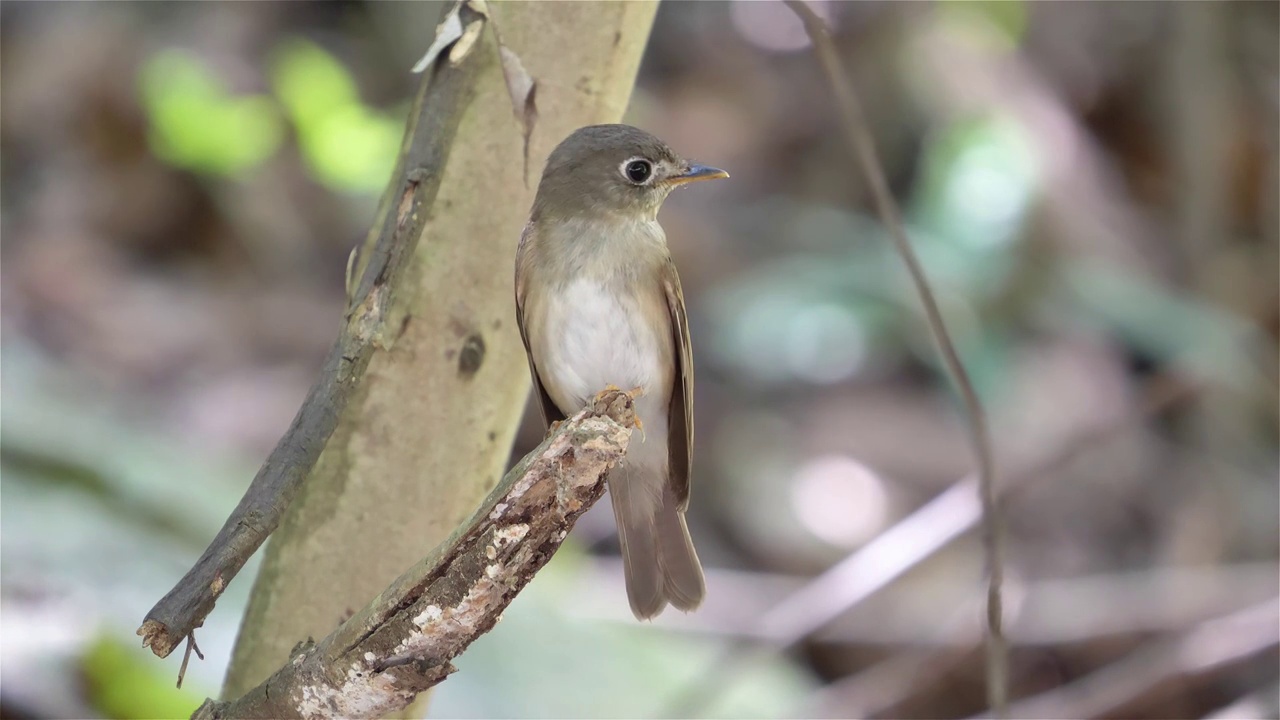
(839, 500)
(772, 26)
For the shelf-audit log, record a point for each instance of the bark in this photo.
(402, 642)
(428, 427)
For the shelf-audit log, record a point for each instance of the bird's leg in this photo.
(551, 429)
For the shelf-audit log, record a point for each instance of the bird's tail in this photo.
(682, 579)
(658, 558)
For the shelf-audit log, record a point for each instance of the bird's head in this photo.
(613, 169)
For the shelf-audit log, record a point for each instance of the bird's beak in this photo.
(695, 173)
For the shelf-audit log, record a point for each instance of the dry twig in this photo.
(403, 642)
(863, 147)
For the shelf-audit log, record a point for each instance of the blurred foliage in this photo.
(816, 316)
(1005, 21)
(123, 683)
(1166, 327)
(978, 183)
(104, 512)
(347, 144)
(197, 125)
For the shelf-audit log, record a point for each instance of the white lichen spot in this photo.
(431, 614)
(361, 694)
(490, 552)
(509, 534)
(564, 534)
(450, 627)
(498, 511)
(438, 631)
(370, 657)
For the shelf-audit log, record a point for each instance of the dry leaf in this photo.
(523, 90)
(459, 39)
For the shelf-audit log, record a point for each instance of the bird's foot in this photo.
(634, 394)
(551, 429)
(618, 405)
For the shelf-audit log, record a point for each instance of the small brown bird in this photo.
(599, 306)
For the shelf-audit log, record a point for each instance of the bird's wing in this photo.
(680, 416)
(550, 413)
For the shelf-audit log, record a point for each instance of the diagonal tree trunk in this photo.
(428, 429)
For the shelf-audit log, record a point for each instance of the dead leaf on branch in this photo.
(451, 33)
(523, 90)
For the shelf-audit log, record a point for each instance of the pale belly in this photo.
(595, 339)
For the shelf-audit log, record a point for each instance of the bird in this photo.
(599, 308)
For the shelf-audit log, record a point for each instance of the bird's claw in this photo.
(634, 394)
(619, 405)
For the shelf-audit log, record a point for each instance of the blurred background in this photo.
(1091, 187)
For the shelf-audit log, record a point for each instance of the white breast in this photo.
(595, 339)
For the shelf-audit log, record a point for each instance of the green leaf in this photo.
(196, 124)
(352, 148)
(346, 144)
(310, 82)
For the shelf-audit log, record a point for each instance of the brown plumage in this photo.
(599, 303)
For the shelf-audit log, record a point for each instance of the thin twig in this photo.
(439, 108)
(404, 641)
(863, 146)
(186, 656)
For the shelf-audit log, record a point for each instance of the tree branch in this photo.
(403, 642)
(863, 147)
(445, 93)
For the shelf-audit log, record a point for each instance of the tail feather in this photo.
(637, 534)
(683, 582)
(658, 558)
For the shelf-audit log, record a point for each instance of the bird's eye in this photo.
(637, 171)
